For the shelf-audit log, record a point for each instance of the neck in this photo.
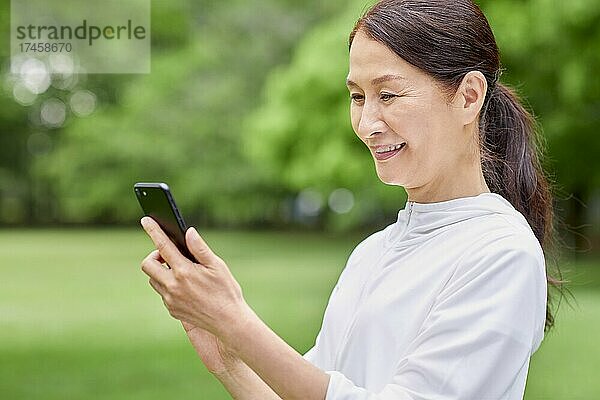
(469, 182)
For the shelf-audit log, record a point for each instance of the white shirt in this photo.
(449, 302)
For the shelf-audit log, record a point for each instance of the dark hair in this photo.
(447, 39)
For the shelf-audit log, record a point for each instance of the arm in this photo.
(280, 366)
(243, 384)
(207, 296)
(239, 380)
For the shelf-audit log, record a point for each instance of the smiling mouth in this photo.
(386, 152)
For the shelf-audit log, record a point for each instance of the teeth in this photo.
(391, 147)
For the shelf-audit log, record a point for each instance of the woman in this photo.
(449, 302)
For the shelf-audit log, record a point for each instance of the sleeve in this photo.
(312, 355)
(477, 340)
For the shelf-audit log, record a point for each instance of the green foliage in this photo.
(551, 52)
(171, 125)
(246, 107)
(180, 124)
(301, 135)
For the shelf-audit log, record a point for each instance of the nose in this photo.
(371, 122)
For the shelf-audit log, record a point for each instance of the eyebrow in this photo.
(379, 80)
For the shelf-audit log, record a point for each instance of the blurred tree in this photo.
(301, 137)
(24, 135)
(182, 122)
(13, 140)
(188, 121)
(551, 51)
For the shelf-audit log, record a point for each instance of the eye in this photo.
(387, 96)
(357, 98)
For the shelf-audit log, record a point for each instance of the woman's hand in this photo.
(204, 294)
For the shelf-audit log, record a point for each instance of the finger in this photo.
(153, 268)
(164, 245)
(198, 247)
(156, 286)
(155, 254)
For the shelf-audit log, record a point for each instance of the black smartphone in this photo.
(158, 202)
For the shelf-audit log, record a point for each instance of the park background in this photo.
(245, 115)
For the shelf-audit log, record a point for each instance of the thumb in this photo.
(198, 247)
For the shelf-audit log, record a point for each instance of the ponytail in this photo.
(511, 149)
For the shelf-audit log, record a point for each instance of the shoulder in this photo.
(371, 243)
(503, 237)
(365, 250)
(503, 273)
(504, 254)
(501, 231)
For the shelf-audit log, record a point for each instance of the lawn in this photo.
(78, 319)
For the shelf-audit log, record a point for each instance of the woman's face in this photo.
(393, 103)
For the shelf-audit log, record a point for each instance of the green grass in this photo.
(78, 319)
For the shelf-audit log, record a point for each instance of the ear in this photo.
(470, 96)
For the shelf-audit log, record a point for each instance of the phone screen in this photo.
(157, 202)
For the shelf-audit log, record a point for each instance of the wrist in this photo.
(234, 329)
(231, 369)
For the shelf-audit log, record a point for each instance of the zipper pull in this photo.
(410, 207)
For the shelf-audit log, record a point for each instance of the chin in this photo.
(389, 180)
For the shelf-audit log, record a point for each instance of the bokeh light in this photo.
(341, 201)
(61, 64)
(63, 71)
(83, 103)
(22, 94)
(35, 75)
(309, 203)
(53, 113)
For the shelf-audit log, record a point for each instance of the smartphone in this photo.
(158, 202)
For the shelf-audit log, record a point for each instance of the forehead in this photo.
(370, 58)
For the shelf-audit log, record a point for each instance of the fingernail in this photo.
(196, 234)
(144, 221)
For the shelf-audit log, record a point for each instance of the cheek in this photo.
(421, 123)
(410, 122)
(420, 126)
